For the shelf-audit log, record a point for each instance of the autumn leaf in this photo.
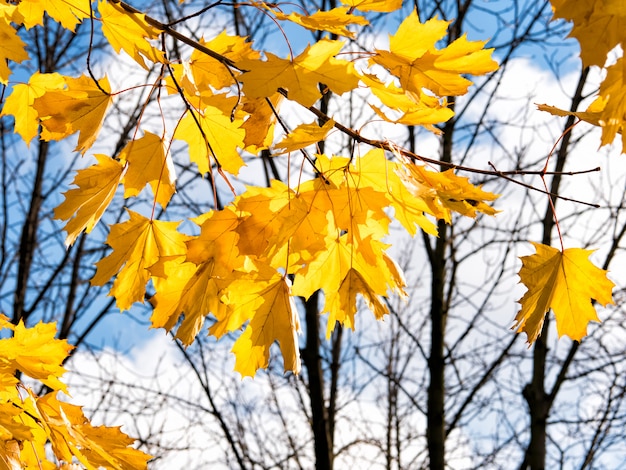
(130, 32)
(13, 48)
(83, 206)
(69, 13)
(208, 71)
(608, 110)
(140, 246)
(407, 198)
(78, 108)
(415, 60)
(193, 288)
(270, 309)
(334, 21)
(383, 6)
(415, 109)
(303, 136)
(348, 267)
(72, 435)
(598, 26)
(300, 77)
(445, 192)
(35, 352)
(149, 163)
(20, 102)
(260, 124)
(565, 282)
(213, 136)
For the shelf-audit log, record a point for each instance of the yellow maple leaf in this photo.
(149, 163)
(300, 77)
(406, 197)
(383, 6)
(72, 436)
(140, 245)
(35, 352)
(190, 290)
(193, 287)
(130, 32)
(348, 267)
(414, 59)
(83, 206)
(565, 282)
(303, 136)
(80, 107)
(598, 26)
(417, 109)
(19, 103)
(261, 121)
(335, 21)
(608, 110)
(272, 314)
(217, 138)
(208, 71)
(13, 48)
(445, 192)
(68, 13)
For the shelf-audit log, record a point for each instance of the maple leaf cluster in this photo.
(29, 424)
(270, 244)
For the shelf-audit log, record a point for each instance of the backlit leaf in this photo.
(334, 21)
(20, 102)
(140, 245)
(130, 32)
(565, 282)
(149, 163)
(83, 206)
(13, 48)
(317, 64)
(303, 136)
(272, 315)
(419, 64)
(382, 6)
(80, 107)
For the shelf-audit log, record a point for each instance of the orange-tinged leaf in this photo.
(565, 282)
(335, 21)
(272, 315)
(300, 77)
(79, 108)
(383, 6)
(13, 48)
(36, 353)
(415, 60)
(149, 163)
(130, 32)
(140, 245)
(83, 206)
(19, 103)
(303, 136)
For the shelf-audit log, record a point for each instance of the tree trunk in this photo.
(313, 363)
